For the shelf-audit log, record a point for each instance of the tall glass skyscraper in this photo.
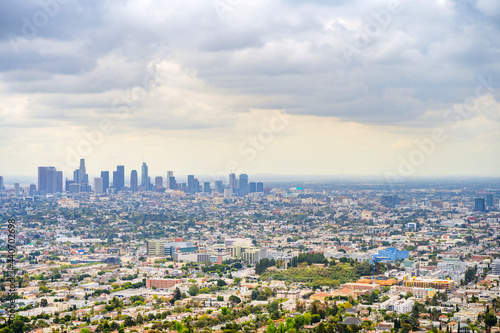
(144, 176)
(243, 184)
(119, 178)
(105, 181)
(134, 181)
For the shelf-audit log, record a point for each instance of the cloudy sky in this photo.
(368, 87)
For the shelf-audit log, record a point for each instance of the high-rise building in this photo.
(219, 186)
(32, 190)
(252, 188)
(83, 178)
(206, 187)
(67, 184)
(119, 178)
(158, 183)
(172, 183)
(489, 200)
(105, 181)
(144, 176)
(1, 184)
(17, 189)
(191, 185)
(479, 205)
(49, 180)
(98, 185)
(243, 184)
(134, 181)
(170, 174)
(76, 176)
(232, 183)
(260, 187)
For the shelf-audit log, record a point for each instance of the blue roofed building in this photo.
(390, 254)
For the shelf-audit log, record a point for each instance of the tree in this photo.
(234, 299)
(490, 320)
(221, 283)
(177, 294)
(43, 302)
(194, 290)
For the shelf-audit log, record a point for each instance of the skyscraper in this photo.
(170, 174)
(119, 178)
(219, 186)
(243, 184)
(206, 187)
(105, 181)
(144, 176)
(232, 183)
(17, 189)
(98, 185)
(252, 188)
(134, 182)
(49, 180)
(83, 178)
(479, 205)
(489, 200)
(260, 187)
(158, 183)
(32, 190)
(172, 183)
(76, 176)
(1, 184)
(190, 185)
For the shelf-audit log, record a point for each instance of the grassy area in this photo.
(314, 276)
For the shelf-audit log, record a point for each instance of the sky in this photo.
(363, 87)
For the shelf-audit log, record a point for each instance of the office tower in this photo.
(49, 180)
(119, 178)
(17, 189)
(74, 188)
(190, 184)
(134, 181)
(219, 186)
(172, 183)
(252, 188)
(158, 183)
(479, 205)
(260, 187)
(68, 182)
(105, 181)
(32, 190)
(170, 174)
(83, 178)
(1, 184)
(196, 185)
(232, 183)
(76, 176)
(206, 187)
(489, 200)
(59, 181)
(144, 176)
(243, 184)
(98, 185)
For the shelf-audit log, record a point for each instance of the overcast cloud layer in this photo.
(186, 85)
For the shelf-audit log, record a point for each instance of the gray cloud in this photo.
(284, 53)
